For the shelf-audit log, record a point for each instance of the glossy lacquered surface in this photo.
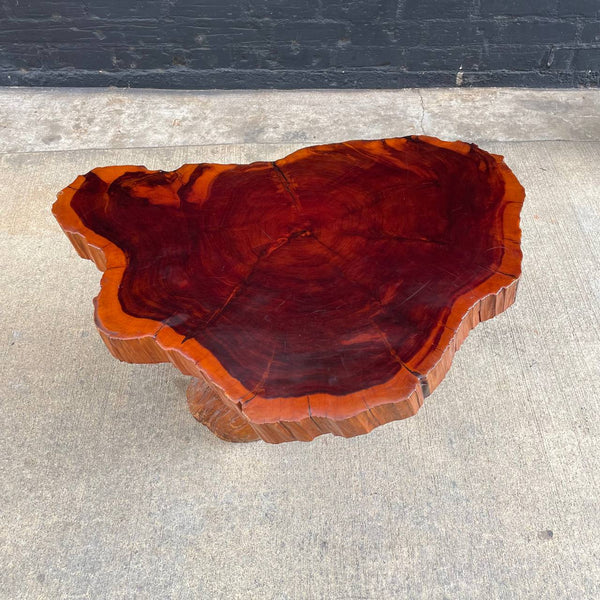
(325, 290)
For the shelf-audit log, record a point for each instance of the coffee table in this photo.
(325, 292)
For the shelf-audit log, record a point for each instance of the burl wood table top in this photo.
(325, 292)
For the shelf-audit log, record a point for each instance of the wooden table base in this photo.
(226, 422)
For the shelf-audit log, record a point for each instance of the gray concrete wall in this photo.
(255, 44)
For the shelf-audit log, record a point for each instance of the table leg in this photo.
(224, 421)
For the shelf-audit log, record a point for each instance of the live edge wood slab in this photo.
(325, 292)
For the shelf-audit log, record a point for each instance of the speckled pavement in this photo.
(110, 489)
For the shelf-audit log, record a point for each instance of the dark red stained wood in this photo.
(324, 292)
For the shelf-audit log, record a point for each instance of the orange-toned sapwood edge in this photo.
(222, 403)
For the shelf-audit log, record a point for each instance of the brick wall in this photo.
(300, 43)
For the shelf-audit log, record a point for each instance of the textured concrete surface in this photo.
(66, 119)
(109, 488)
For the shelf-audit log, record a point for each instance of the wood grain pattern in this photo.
(325, 292)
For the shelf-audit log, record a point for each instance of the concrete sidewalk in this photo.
(110, 489)
(68, 119)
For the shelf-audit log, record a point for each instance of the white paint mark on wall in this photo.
(459, 76)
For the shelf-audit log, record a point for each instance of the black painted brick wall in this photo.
(300, 43)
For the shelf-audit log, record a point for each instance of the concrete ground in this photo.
(110, 489)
